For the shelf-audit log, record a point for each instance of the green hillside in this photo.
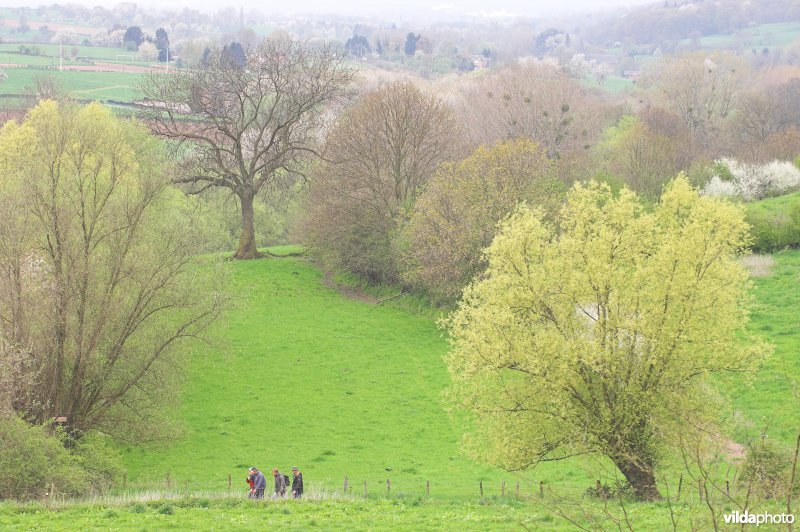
(772, 404)
(297, 374)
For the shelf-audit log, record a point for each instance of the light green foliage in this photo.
(33, 461)
(456, 215)
(774, 223)
(767, 470)
(722, 170)
(600, 337)
(218, 221)
(29, 458)
(643, 158)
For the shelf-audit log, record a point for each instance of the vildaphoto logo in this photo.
(746, 518)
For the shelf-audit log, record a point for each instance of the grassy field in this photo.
(612, 85)
(52, 50)
(297, 374)
(780, 205)
(772, 405)
(80, 85)
(763, 35)
(209, 513)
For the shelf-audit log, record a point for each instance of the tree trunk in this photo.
(641, 476)
(247, 242)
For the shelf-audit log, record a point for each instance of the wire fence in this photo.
(682, 487)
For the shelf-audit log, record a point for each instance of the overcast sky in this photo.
(435, 9)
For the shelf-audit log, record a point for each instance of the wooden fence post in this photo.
(345, 484)
(481, 486)
(388, 486)
(365, 488)
(428, 488)
(503, 488)
(229, 482)
(541, 489)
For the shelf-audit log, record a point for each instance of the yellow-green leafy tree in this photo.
(97, 283)
(601, 336)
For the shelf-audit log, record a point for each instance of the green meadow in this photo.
(54, 50)
(295, 373)
(80, 85)
(771, 405)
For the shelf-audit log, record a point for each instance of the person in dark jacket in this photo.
(260, 483)
(297, 483)
(280, 483)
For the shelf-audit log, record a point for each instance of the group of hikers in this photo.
(258, 484)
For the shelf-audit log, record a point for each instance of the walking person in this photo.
(280, 483)
(252, 483)
(297, 483)
(260, 483)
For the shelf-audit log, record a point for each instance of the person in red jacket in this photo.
(251, 480)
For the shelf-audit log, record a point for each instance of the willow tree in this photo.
(602, 337)
(246, 127)
(97, 285)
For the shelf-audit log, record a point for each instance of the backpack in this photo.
(286, 481)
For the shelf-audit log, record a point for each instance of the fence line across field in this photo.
(376, 487)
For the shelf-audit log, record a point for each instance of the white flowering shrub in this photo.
(716, 187)
(754, 181)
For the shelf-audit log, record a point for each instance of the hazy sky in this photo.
(415, 8)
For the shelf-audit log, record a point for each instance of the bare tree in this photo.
(703, 91)
(247, 127)
(382, 151)
(534, 101)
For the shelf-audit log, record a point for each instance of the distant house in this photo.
(480, 62)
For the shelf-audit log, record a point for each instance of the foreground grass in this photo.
(220, 512)
(205, 514)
